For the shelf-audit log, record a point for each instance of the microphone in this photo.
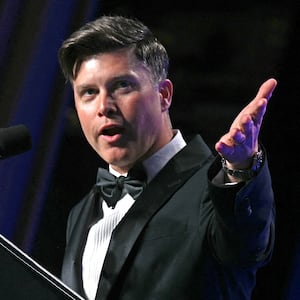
(14, 140)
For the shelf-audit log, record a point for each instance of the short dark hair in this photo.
(110, 33)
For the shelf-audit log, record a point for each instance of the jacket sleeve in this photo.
(242, 228)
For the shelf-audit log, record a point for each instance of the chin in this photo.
(118, 161)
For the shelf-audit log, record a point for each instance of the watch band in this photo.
(248, 173)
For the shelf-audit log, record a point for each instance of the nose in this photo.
(107, 106)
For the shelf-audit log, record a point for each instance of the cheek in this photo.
(149, 105)
(82, 117)
(150, 114)
(85, 112)
(147, 127)
(141, 117)
(85, 121)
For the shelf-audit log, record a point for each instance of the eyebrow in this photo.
(82, 87)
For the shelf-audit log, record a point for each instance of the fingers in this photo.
(230, 140)
(238, 146)
(259, 112)
(257, 107)
(238, 137)
(266, 89)
(241, 141)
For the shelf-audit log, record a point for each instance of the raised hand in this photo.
(240, 143)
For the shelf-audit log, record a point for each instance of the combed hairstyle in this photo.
(111, 33)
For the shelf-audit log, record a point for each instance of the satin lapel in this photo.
(174, 174)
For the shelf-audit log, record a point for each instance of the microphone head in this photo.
(14, 140)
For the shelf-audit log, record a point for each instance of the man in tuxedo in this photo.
(170, 220)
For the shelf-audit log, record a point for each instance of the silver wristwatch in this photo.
(245, 174)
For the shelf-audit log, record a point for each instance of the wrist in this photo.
(244, 174)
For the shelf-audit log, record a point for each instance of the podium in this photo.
(22, 278)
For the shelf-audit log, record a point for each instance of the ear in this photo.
(166, 93)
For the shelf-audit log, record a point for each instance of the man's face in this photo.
(123, 115)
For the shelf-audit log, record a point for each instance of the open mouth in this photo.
(112, 130)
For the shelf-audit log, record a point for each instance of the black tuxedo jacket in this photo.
(184, 238)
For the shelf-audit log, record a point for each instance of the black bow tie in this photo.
(113, 188)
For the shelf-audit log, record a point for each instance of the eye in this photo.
(122, 87)
(89, 92)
